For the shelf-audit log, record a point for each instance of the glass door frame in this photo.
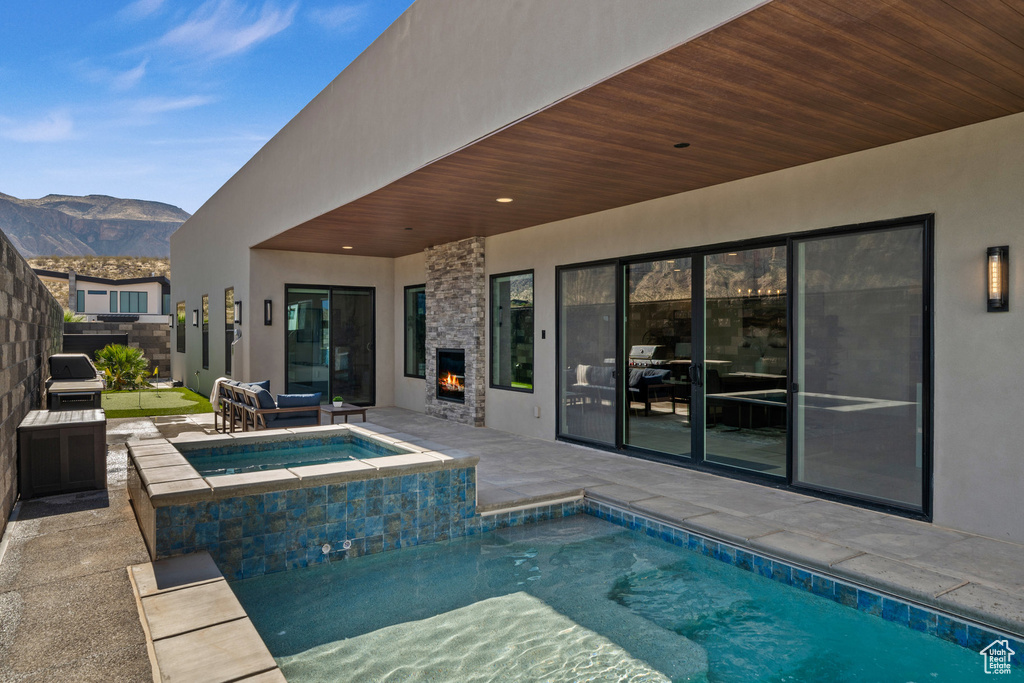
(697, 255)
(927, 221)
(331, 289)
(617, 265)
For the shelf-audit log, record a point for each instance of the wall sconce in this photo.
(195, 317)
(238, 312)
(268, 311)
(998, 276)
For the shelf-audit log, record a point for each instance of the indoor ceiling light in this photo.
(346, 247)
(503, 200)
(681, 145)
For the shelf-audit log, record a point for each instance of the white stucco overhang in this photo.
(787, 83)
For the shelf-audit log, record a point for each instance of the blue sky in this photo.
(162, 99)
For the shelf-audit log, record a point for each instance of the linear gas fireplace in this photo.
(451, 375)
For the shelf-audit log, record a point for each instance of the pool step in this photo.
(196, 630)
(491, 500)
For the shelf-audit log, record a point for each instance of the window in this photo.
(98, 292)
(165, 304)
(113, 302)
(134, 302)
(80, 304)
(180, 331)
(229, 327)
(512, 331)
(206, 331)
(416, 331)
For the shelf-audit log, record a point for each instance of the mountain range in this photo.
(94, 225)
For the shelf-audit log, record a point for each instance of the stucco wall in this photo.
(970, 178)
(410, 392)
(30, 320)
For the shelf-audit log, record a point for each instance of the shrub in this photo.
(72, 317)
(124, 366)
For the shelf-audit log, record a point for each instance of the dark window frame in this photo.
(229, 328)
(405, 339)
(205, 313)
(181, 323)
(490, 330)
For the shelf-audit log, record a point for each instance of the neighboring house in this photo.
(746, 238)
(142, 299)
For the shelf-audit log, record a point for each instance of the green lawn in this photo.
(150, 402)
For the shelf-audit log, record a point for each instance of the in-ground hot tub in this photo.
(374, 493)
(285, 452)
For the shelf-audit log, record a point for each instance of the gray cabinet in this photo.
(62, 451)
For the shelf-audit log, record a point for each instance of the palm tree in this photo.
(124, 366)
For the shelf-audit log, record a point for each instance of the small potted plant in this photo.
(338, 401)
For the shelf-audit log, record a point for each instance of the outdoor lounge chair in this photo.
(232, 403)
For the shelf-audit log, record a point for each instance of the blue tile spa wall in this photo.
(250, 535)
(963, 633)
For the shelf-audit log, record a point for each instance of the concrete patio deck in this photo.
(67, 611)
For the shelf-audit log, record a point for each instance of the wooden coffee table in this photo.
(345, 409)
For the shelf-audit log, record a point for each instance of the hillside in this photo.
(94, 225)
(113, 267)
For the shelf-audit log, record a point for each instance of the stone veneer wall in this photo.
(153, 338)
(30, 330)
(456, 305)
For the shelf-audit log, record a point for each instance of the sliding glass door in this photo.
(803, 359)
(329, 344)
(745, 359)
(587, 383)
(658, 328)
(860, 355)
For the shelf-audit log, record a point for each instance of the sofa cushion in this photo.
(264, 399)
(647, 376)
(262, 384)
(298, 400)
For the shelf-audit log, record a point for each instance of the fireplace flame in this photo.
(450, 382)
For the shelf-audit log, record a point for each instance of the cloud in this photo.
(340, 17)
(159, 105)
(126, 80)
(54, 127)
(140, 9)
(220, 28)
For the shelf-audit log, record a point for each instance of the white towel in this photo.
(215, 392)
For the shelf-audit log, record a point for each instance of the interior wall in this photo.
(272, 270)
(969, 178)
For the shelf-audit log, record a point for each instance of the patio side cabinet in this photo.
(62, 451)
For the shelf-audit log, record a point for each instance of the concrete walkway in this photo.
(67, 612)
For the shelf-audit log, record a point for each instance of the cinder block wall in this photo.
(30, 330)
(153, 338)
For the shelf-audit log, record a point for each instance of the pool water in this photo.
(571, 600)
(281, 454)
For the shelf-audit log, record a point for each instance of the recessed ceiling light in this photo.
(503, 200)
(681, 145)
(346, 247)
(408, 228)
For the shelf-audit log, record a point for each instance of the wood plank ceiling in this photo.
(792, 82)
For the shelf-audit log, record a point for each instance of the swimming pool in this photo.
(576, 599)
(284, 452)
